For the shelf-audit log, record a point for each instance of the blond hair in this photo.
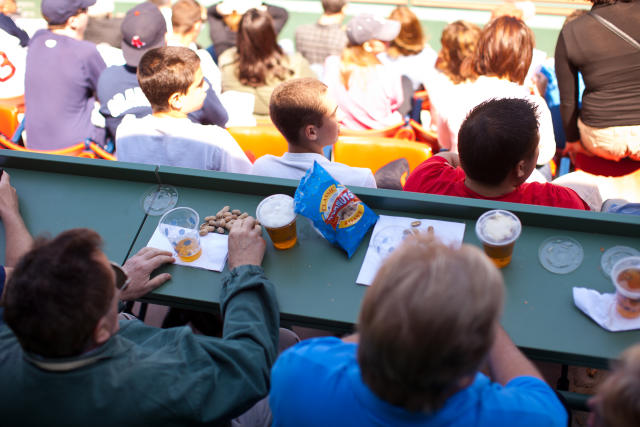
(427, 321)
(355, 59)
(616, 402)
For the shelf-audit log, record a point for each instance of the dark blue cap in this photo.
(58, 11)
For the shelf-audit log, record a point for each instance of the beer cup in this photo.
(276, 215)
(626, 277)
(180, 227)
(498, 231)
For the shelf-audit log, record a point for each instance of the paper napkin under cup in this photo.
(449, 233)
(602, 309)
(214, 250)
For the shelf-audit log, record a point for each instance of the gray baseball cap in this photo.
(366, 27)
(58, 11)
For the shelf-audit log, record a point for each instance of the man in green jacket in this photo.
(66, 358)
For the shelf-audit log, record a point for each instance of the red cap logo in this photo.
(136, 42)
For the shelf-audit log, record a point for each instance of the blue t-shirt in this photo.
(59, 84)
(318, 383)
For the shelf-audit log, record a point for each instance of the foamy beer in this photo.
(498, 230)
(276, 215)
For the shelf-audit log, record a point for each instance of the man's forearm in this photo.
(18, 239)
(506, 362)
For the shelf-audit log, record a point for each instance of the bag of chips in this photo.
(336, 212)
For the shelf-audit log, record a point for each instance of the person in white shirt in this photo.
(499, 65)
(186, 20)
(172, 81)
(305, 114)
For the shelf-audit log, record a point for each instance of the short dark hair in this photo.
(164, 71)
(495, 136)
(57, 293)
(296, 103)
(333, 6)
(427, 321)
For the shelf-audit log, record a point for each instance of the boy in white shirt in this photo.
(172, 81)
(305, 114)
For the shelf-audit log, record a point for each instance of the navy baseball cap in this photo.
(58, 11)
(143, 28)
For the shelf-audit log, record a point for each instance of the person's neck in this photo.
(331, 19)
(67, 32)
(305, 147)
(183, 39)
(169, 114)
(485, 190)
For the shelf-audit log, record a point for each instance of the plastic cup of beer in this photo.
(276, 215)
(180, 227)
(626, 277)
(498, 231)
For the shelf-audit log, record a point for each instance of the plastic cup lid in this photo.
(560, 254)
(612, 255)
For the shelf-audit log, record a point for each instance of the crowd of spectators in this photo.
(153, 95)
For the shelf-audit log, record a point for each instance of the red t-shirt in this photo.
(437, 176)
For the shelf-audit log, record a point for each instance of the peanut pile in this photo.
(221, 221)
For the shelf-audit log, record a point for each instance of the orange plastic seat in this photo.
(388, 132)
(91, 150)
(374, 153)
(256, 141)
(8, 119)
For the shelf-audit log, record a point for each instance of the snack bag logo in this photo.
(339, 207)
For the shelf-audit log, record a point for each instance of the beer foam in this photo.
(276, 211)
(499, 227)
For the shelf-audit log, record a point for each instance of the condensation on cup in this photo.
(626, 277)
(498, 231)
(276, 215)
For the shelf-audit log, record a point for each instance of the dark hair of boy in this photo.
(297, 103)
(495, 136)
(164, 71)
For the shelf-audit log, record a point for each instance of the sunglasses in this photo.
(122, 280)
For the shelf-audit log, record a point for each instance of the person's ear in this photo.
(311, 132)
(367, 46)
(521, 169)
(175, 101)
(102, 331)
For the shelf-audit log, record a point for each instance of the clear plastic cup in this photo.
(180, 227)
(276, 215)
(625, 275)
(498, 231)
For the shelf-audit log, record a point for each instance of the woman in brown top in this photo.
(608, 124)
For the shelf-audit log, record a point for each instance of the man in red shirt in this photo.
(498, 145)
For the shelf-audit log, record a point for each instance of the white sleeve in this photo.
(210, 71)
(233, 158)
(547, 143)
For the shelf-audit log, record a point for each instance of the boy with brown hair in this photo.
(305, 114)
(427, 324)
(172, 81)
(498, 146)
(187, 20)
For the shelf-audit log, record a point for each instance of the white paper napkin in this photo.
(449, 233)
(214, 250)
(602, 309)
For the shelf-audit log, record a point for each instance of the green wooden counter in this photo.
(315, 281)
(58, 193)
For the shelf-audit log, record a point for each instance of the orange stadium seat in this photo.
(374, 153)
(256, 141)
(8, 120)
(90, 150)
